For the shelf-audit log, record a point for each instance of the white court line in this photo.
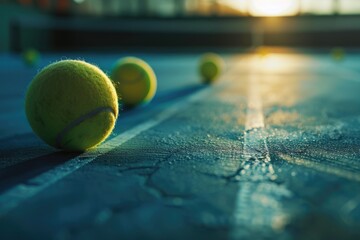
(258, 204)
(315, 165)
(13, 197)
(344, 72)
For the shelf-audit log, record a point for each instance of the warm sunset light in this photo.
(273, 7)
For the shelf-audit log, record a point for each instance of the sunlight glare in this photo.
(273, 7)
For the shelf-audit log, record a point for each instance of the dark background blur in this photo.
(75, 25)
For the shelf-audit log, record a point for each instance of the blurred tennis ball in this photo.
(71, 105)
(31, 57)
(262, 51)
(338, 54)
(210, 67)
(134, 80)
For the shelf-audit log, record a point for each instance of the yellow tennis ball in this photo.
(31, 57)
(262, 51)
(71, 105)
(134, 80)
(338, 54)
(210, 67)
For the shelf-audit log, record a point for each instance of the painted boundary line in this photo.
(258, 205)
(13, 197)
(315, 165)
(259, 201)
(345, 72)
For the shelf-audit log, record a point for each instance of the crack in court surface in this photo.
(13, 197)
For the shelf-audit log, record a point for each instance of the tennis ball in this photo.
(210, 67)
(31, 57)
(134, 80)
(338, 54)
(262, 51)
(71, 105)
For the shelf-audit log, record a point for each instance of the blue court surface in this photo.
(270, 151)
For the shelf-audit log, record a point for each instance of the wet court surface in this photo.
(271, 150)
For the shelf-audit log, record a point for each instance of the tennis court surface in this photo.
(270, 150)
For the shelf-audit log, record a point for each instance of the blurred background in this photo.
(73, 25)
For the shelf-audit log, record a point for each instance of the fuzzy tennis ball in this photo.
(134, 80)
(210, 67)
(338, 54)
(262, 51)
(31, 57)
(71, 105)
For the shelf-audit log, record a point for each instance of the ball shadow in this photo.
(24, 171)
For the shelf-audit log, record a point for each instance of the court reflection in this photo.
(281, 85)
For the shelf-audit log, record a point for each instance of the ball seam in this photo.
(78, 121)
